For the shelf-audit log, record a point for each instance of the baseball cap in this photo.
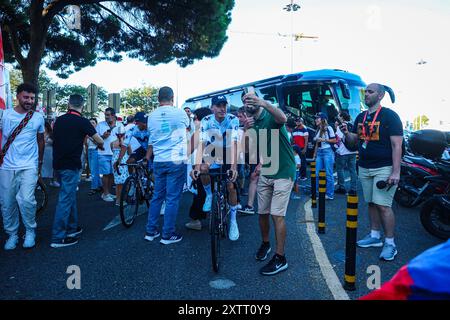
(140, 117)
(321, 115)
(218, 99)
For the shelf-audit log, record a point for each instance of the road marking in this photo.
(221, 284)
(326, 268)
(116, 221)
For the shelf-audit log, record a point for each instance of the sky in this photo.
(381, 41)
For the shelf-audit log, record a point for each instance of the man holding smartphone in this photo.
(276, 177)
(107, 130)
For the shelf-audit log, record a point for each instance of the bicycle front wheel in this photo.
(215, 233)
(40, 193)
(129, 202)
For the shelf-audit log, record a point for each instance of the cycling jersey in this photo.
(219, 134)
(140, 136)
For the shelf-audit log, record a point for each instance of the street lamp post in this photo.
(291, 8)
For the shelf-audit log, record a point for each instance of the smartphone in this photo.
(249, 89)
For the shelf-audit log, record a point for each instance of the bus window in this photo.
(269, 94)
(355, 104)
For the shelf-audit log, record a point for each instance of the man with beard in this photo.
(276, 177)
(379, 134)
(20, 163)
(107, 130)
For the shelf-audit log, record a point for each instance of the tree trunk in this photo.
(30, 72)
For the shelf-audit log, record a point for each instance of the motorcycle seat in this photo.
(420, 161)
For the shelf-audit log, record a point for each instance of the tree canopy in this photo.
(41, 31)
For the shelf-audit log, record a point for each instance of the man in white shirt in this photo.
(107, 130)
(167, 141)
(20, 168)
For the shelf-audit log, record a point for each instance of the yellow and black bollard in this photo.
(350, 242)
(313, 185)
(322, 190)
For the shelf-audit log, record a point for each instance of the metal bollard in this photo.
(350, 242)
(322, 190)
(313, 185)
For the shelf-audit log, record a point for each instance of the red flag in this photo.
(2, 81)
(2, 77)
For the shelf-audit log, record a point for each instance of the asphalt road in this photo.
(118, 264)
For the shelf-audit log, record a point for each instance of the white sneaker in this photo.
(233, 234)
(107, 198)
(29, 241)
(11, 243)
(194, 225)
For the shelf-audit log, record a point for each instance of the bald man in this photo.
(378, 132)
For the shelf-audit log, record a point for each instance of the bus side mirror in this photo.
(391, 93)
(345, 89)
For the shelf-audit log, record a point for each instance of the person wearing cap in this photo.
(136, 139)
(300, 135)
(276, 176)
(107, 130)
(219, 131)
(69, 133)
(20, 165)
(324, 153)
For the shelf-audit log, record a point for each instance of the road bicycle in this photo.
(218, 223)
(137, 190)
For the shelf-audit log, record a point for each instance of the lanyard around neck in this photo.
(367, 137)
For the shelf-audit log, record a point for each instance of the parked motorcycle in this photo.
(435, 212)
(413, 188)
(426, 148)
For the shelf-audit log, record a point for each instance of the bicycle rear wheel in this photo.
(129, 202)
(40, 193)
(215, 233)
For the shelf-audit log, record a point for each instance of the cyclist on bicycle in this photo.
(137, 138)
(219, 133)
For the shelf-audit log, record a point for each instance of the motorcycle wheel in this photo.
(436, 219)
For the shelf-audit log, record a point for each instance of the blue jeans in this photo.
(96, 182)
(325, 161)
(346, 162)
(66, 214)
(169, 181)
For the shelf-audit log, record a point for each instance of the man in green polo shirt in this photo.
(277, 174)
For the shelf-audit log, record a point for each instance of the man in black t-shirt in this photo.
(379, 134)
(69, 132)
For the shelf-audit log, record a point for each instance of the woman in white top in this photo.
(324, 153)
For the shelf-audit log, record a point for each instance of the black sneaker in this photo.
(247, 210)
(76, 233)
(68, 241)
(173, 239)
(275, 265)
(263, 251)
